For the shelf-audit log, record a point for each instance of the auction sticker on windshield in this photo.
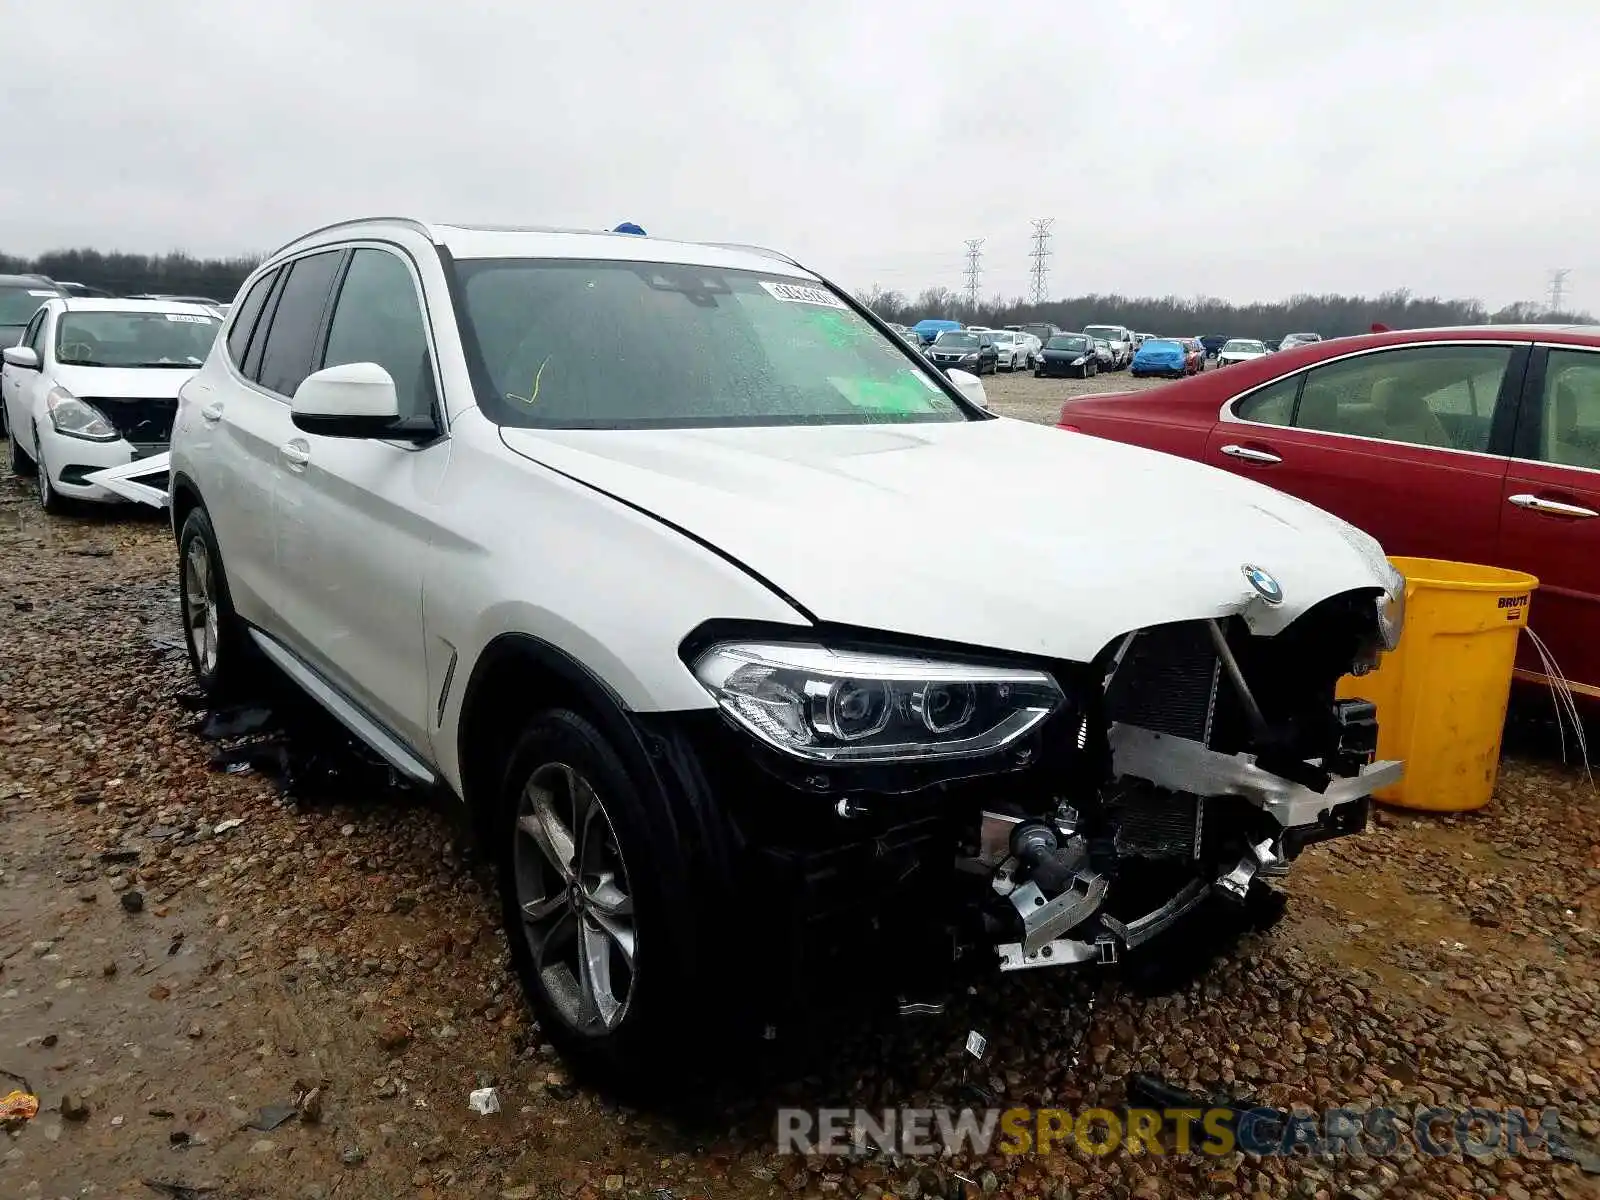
(795, 293)
(188, 318)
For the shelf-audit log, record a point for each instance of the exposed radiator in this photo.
(1151, 822)
(1167, 681)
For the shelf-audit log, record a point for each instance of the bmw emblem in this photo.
(1268, 588)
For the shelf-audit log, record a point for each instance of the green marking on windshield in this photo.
(903, 393)
(838, 328)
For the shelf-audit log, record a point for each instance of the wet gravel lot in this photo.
(182, 947)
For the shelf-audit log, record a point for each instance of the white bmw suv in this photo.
(660, 557)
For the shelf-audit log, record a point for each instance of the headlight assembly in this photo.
(78, 418)
(842, 707)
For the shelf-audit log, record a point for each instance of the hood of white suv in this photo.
(995, 534)
(141, 383)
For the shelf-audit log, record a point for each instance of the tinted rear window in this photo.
(286, 360)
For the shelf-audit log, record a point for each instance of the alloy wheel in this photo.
(577, 907)
(200, 606)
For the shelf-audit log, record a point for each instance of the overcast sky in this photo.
(1240, 148)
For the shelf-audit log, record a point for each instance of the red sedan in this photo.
(1479, 444)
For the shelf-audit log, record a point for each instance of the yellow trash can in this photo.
(1442, 696)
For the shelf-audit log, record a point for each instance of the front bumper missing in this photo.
(1303, 815)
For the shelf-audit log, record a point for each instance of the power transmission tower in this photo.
(974, 268)
(1558, 287)
(1041, 253)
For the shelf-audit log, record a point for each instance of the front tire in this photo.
(49, 499)
(21, 463)
(594, 892)
(220, 654)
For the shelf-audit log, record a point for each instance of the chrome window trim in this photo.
(1226, 415)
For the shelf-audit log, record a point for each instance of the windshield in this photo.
(567, 344)
(952, 340)
(1160, 344)
(18, 304)
(1241, 346)
(1004, 338)
(1067, 343)
(134, 339)
(1108, 332)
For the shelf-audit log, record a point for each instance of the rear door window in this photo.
(291, 341)
(244, 319)
(1569, 410)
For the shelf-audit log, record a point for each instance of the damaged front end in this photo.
(1217, 757)
(1083, 811)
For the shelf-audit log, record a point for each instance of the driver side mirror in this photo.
(354, 400)
(25, 357)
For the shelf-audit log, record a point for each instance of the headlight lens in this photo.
(78, 418)
(1079, 361)
(1392, 611)
(848, 707)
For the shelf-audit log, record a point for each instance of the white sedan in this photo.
(94, 384)
(1237, 350)
(1016, 354)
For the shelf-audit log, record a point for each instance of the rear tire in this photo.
(221, 655)
(594, 888)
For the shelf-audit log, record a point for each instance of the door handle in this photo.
(1249, 455)
(296, 453)
(212, 413)
(1553, 507)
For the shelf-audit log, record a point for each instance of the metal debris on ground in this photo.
(976, 1043)
(484, 1101)
(272, 1116)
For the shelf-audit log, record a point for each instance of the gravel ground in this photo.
(347, 941)
(1020, 395)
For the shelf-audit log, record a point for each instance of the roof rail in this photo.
(762, 250)
(409, 222)
(474, 227)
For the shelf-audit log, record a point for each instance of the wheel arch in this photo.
(184, 499)
(515, 676)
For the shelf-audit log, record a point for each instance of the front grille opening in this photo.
(148, 421)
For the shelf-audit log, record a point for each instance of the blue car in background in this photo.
(931, 327)
(1158, 356)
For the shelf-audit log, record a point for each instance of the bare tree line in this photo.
(1329, 315)
(176, 274)
(1176, 316)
